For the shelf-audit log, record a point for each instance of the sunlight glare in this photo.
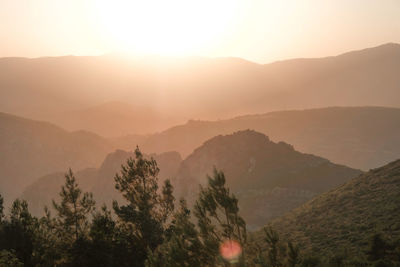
(165, 27)
(230, 250)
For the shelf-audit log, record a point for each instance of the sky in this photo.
(257, 30)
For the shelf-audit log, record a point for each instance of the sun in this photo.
(175, 27)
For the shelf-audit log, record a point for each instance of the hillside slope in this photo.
(268, 178)
(347, 217)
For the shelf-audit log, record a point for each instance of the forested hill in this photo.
(345, 218)
(268, 178)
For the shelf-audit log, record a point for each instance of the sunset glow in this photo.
(165, 27)
(199, 133)
(256, 30)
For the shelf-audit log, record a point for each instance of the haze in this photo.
(199, 133)
(261, 31)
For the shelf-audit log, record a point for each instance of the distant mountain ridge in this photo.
(183, 88)
(112, 118)
(359, 137)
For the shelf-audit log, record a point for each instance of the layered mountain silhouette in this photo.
(268, 178)
(100, 181)
(183, 88)
(30, 149)
(348, 216)
(359, 137)
(113, 118)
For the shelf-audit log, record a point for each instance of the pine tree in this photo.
(293, 255)
(255, 253)
(218, 217)
(272, 239)
(380, 249)
(1, 208)
(183, 246)
(102, 236)
(73, 210)
(143, 219)
(18, 232)
(167, 201)
(48, 243)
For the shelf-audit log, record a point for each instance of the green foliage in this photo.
(311, 261)
(382, 251)
(102, 236)
(182, 246)
(378, 248)
(345, 218)
(9, 259)
(69, 230)
(218, 221)
(217, 213)
(167, 200)
(272, 252)
(293, 256)
(149, 231)
(48, 244)
(73, 209)
(18, 232)
(143, 219)
(1, 208)
(272, 239)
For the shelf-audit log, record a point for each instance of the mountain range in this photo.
(359, 137)
(163, 90)
(362, 138)
(344, 109)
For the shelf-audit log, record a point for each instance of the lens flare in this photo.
(230, 250)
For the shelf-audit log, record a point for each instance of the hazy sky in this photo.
(258, 30)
